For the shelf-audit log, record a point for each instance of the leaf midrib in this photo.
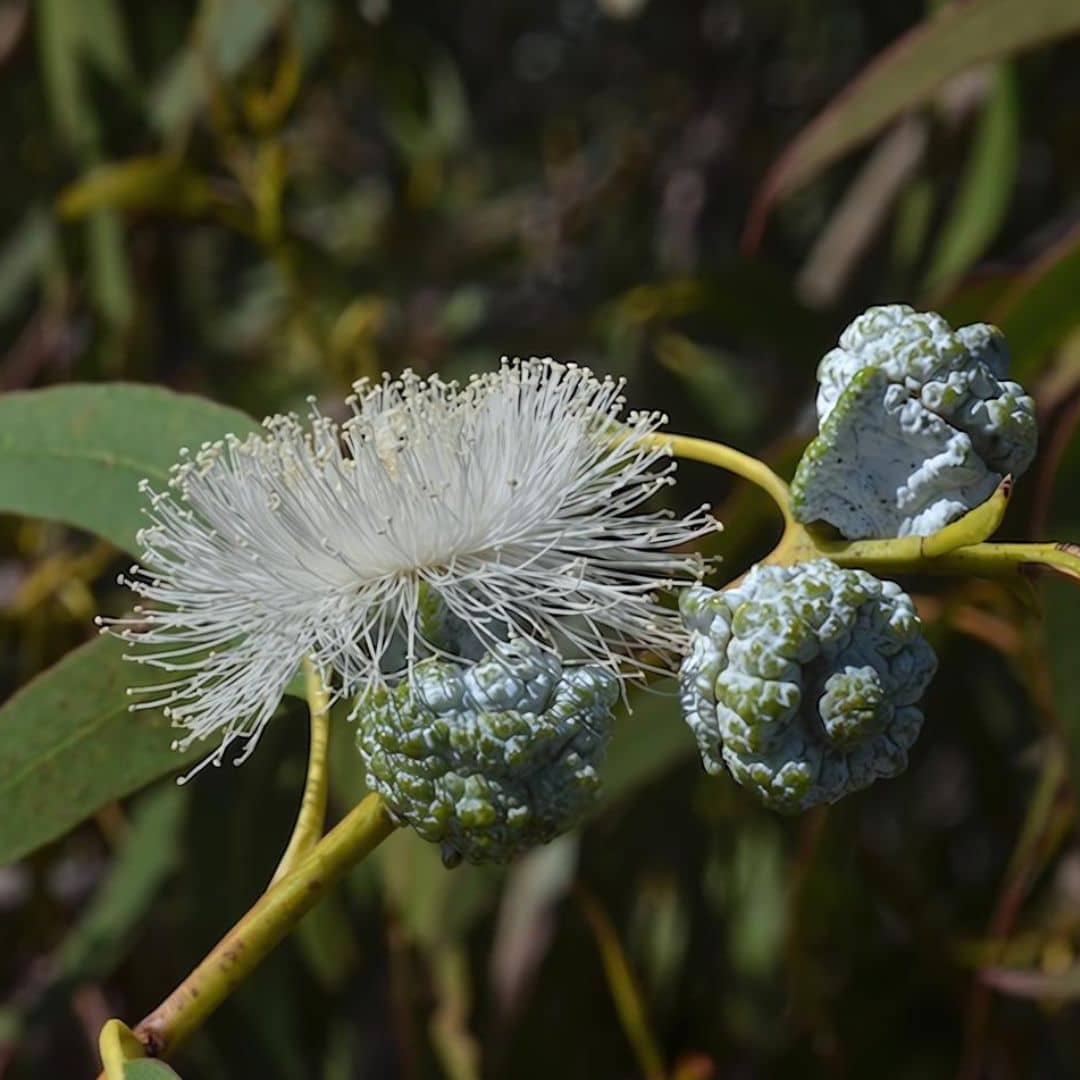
(105, 458)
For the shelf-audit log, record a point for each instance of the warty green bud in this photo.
(491, 758)
(804, 681)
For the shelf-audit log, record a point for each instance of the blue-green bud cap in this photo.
(804, 681)
(491, 758)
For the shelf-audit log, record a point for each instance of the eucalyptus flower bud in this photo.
(492, 758)
(804, 681)
(918, 425)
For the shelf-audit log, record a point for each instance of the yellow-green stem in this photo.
(276, 912)
(311, 818)
(726, 457)
(982, 560)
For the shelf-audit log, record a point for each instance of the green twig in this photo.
(276, 912)
(959, 548)
(735, 461)
(311, 819)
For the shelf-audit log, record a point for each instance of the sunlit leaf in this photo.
(1040, 308)
(952, 39)
(985, 189)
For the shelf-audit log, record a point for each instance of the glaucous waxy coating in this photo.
(804, 680)
(492, 758)
(918, 425)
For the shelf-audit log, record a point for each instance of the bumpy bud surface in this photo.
(804, 680)
(917, 426)
(489, 759)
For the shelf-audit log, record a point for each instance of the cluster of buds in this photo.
(475, 567)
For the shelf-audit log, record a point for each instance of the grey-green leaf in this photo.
(76, 453)
(69, 745)
(149, 1069)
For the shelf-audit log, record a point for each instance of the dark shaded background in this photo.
(322, 191)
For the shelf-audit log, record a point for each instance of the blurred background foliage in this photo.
(258, 200)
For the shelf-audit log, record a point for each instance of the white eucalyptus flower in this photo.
(516, 500)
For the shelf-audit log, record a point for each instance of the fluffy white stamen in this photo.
(517, 498)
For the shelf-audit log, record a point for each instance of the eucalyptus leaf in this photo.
(947, 42)
(986, 188)
(23, 257)
(1039, 310)
(68, 745)
(149, 1069)
(146, 857)
(228, 36)
(76, 453)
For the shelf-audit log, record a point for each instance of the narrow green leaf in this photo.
(105, 41)
(23, 257)
(110, 274)
(159, 182)
(145, 859)
(959, 36)
(59, 37)
(227, 38)
(76, 453)
(69, 745)
(985, 190)
(1040, 309)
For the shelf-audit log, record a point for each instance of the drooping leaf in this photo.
(1039, 309)
(985, 189)
(68, 745)
(227, 38)
(59, 28)
(146, 857)
(160, 182)
(111, 284)
(1057, 987)
(76, 453)
(23, 256)
(951, 40)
